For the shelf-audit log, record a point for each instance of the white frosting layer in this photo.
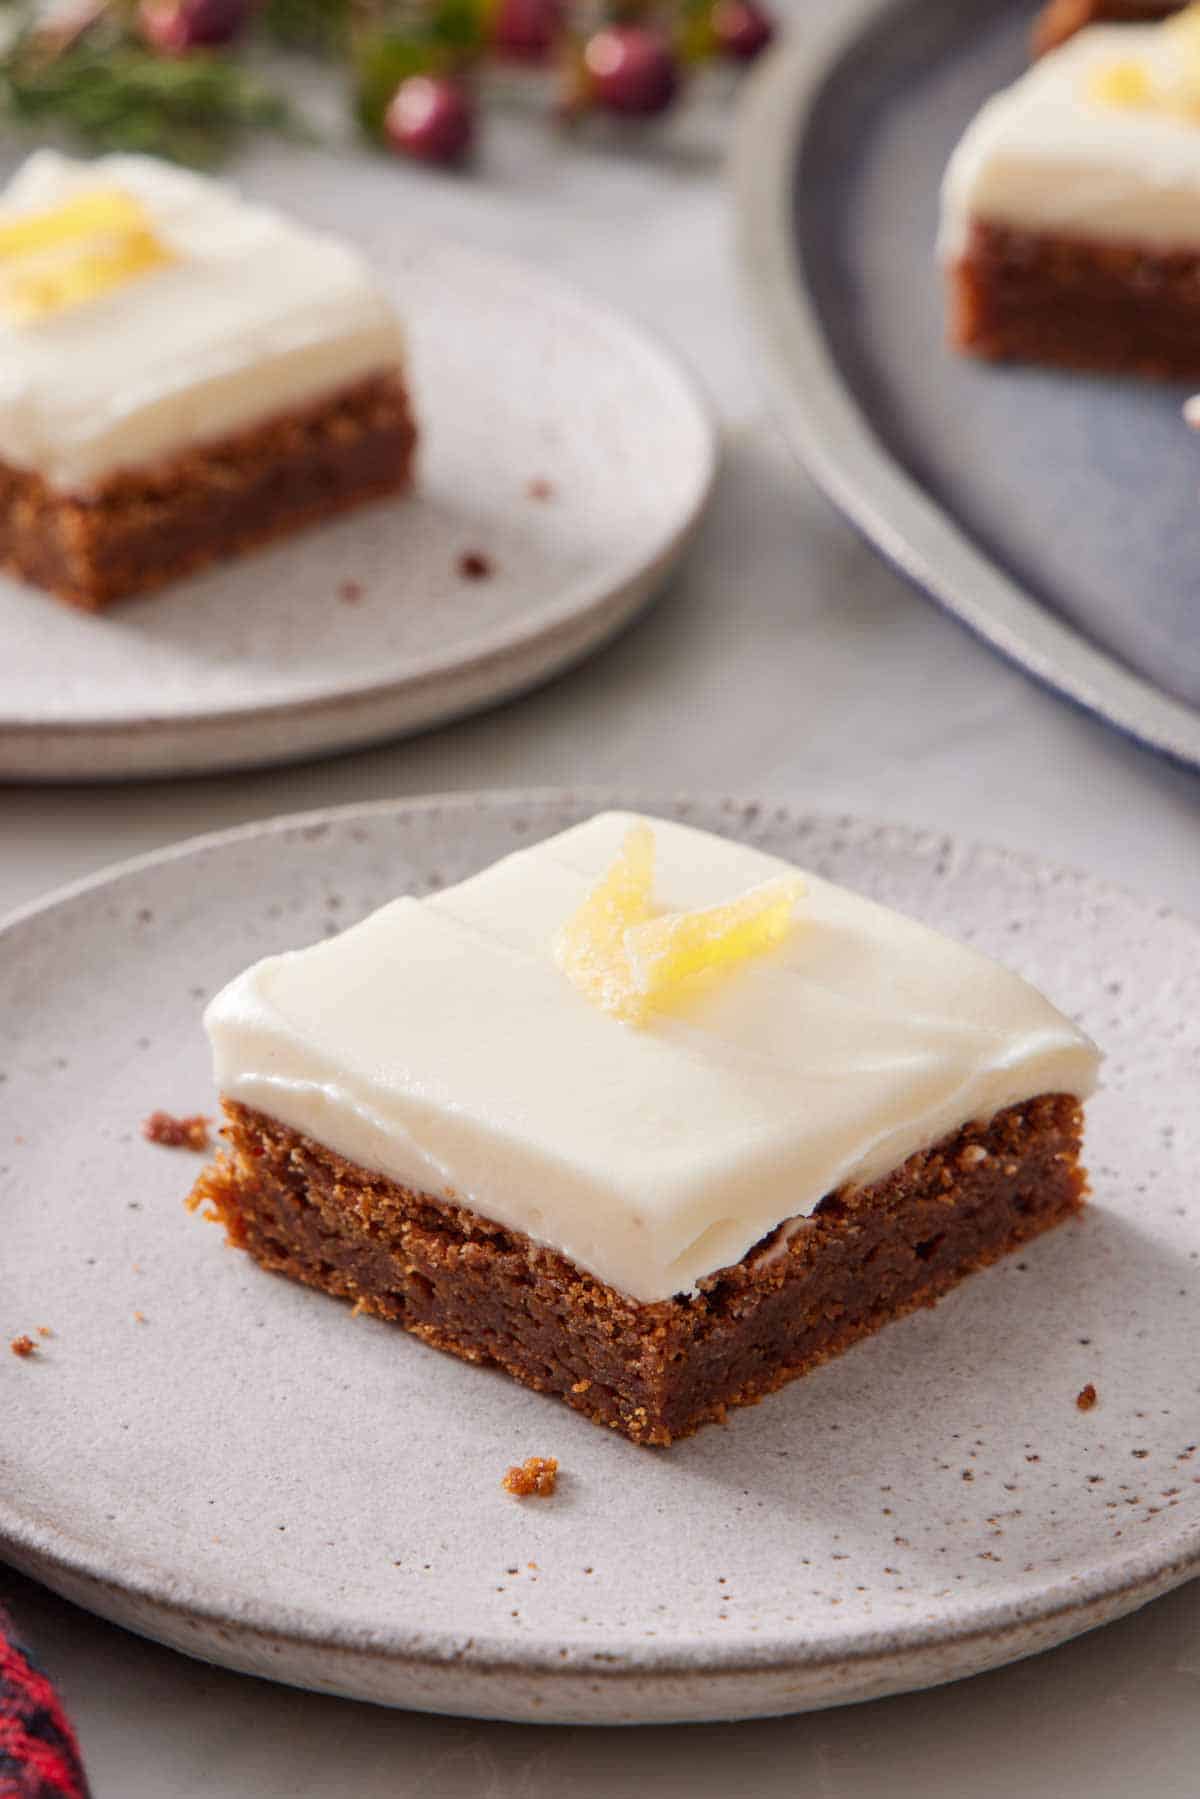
(437, 1043)
(1043, 156)
(256, 316)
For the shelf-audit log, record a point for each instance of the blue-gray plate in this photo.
(1056, 514)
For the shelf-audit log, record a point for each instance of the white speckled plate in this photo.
(248, 1472)
(366, 628)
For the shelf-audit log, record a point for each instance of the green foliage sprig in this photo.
(102, 88)
(180, 78)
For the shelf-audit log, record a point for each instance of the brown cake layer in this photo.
(143, 528)
(1030, 297)
(657, 1371)
(1061, 19)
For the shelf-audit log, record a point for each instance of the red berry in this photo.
(430, 117)
(631, 69)
(177, 26)
(527, 29)
(741, 29)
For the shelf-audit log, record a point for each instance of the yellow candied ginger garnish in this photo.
(1121, 84)
(54, 260)
(61, 280)
(665, 952)
(1172, 88)
(106, 210)
(590, 947)
(627, 960)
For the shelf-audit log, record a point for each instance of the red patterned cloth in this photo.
(39, 1757)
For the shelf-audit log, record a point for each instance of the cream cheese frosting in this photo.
(438, 1043)
(1046, 155)
(248, 317)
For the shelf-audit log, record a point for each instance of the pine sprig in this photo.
(107, 92)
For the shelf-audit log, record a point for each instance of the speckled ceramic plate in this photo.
(559, 444)
(1058, 515)
(242, 1469)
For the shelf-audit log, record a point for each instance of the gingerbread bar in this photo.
(1070, 208)
(647, 1119)
(185, 377)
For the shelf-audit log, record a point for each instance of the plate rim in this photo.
(786, 1674)
(832, 433)
(580, 620)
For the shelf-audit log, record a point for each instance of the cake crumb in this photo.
(540, 489)
(139, 1317)
(176, 1133)
(350, 592)
(43, 1330)
(536, 1477)
(474, 565)
(25, 1346)
(1085, 1399)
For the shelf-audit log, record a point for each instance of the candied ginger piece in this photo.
(54, 260)
(104, 211)
(590, 947)
(1121, 84)
(626, 960)
(1171, 88)
(665, 952)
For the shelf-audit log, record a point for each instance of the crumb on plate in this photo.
(25, 1346)
(176, 1133)
(1085, 1399)
(537, 1476)
(474, 565)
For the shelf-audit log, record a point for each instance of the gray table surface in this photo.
(785, 663)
